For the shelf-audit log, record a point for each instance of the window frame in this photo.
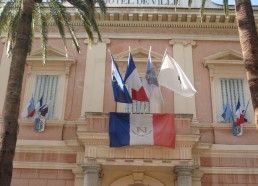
(228, 64)
(57, 64)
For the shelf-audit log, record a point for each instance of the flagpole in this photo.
(163, 60)
(246, 106)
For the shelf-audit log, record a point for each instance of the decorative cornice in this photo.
(182, 25)
(150, 163)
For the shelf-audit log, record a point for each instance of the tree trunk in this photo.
(249, 43)
(13, 93)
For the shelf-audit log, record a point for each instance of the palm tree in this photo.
(19, 19)
(249, 44)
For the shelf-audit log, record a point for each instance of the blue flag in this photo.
(121, 93)
(227, 114)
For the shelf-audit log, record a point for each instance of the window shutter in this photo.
(46, 86)
(231, 91)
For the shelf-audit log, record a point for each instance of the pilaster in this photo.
(94, 80)
(182, 53)
(184, 175)
(91, 174)
(79, 176)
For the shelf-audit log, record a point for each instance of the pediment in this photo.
(52, 54)
(226, 57)
(139, 55)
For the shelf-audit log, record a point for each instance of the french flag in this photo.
(133, 81)
(29, 110)
(141, 129)
(240, 118)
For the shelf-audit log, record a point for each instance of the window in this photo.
(46, 86)
(228, 84)
(49, 80)
(231, 91)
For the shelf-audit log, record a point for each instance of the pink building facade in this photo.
(73, 149)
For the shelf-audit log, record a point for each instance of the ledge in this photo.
(106, 115)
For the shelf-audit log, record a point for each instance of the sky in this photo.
(232, 2)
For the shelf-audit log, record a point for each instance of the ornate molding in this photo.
(182, 42)
(137, 177)
(78, 172)
(184, 170)
(95, 41)
(92, 168)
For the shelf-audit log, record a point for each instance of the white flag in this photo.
(172, 77)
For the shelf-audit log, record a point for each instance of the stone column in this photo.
(182, 53)
(94, 79)
(184, 175)
(91, 174)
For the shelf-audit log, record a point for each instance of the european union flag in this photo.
(227, 114)
(121, 93)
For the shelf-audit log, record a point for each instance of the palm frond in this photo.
(67, 19)
(6, 16)
(86, 15)
(176, 2)
(190, 3)
(59, 21)
(43, 30)
(202, 8)
(90, 4)
(9, 10)
(102, 5)
(31, 36)
(225, 5)
(11, 32)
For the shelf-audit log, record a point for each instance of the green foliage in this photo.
(45, 13)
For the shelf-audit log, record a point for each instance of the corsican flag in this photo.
(150, 82)
(172, 77)
(141, 129)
